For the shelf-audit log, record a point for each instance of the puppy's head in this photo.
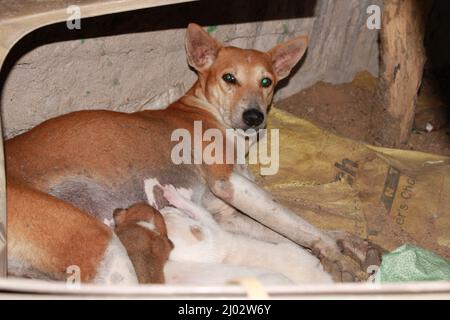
(142, 231)
(140, 212)
(240, 82)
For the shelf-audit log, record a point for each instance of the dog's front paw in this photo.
(363, 251)
(351, 259)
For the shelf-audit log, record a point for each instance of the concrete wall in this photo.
(136, 64)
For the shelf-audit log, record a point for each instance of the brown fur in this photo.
(148, 250)
(50, 235)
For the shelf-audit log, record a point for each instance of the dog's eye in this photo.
(266, 82)
(229, 78)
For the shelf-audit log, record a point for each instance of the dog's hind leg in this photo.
(46, 236)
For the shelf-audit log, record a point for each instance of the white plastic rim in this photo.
(11, 31)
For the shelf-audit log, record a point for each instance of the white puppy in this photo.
(204, 253)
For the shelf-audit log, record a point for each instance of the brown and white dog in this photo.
(69, 173)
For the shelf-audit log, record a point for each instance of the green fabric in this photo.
(409, 263)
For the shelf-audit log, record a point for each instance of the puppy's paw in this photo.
(176, 200)
(172, 196)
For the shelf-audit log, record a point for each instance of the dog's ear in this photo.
(286, 55)
(201, 48)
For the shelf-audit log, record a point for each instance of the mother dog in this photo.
(68, 174)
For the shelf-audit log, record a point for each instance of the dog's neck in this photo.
(195, 97)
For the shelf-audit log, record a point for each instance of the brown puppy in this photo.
(143, 232)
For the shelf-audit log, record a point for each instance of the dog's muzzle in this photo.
(253, 117)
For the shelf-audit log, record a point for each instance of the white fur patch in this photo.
(187, 246)
(149, 184)
(186, 193)
(208, 274)
(109, 222)
(116, 267)
(149, 225)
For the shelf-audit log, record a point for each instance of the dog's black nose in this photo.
(253, 117)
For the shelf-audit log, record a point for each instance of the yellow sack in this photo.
(388, 196)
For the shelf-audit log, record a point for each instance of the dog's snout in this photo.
(253, 117)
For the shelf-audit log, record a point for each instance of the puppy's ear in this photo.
(286, 55)
(201, 48)
(119, 216)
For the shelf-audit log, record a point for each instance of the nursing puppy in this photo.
(142, 231)
(199, 239)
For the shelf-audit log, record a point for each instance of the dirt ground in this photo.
(355, 110)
